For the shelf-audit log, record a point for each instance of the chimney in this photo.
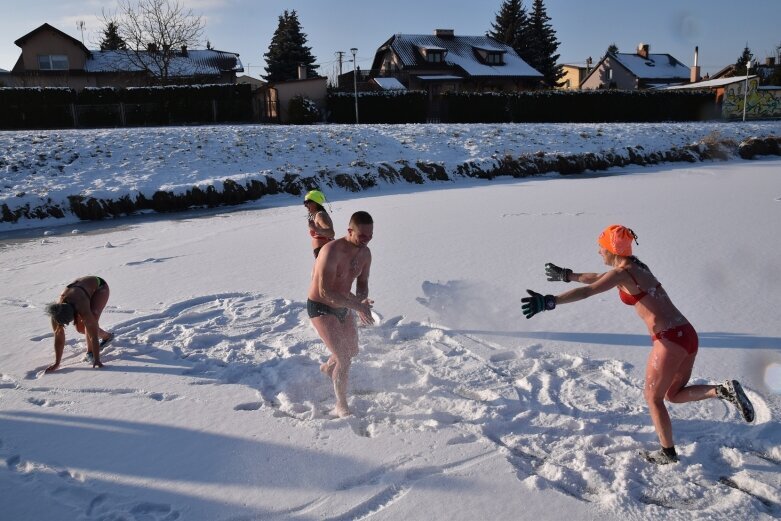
(184, 50)
(301, 71)
(695, 70)
(643, 49)
(444, 33)
(151, 47)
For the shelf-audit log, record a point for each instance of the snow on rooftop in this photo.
(389, 84)
(434, 77)
(196, 62)
(461, 53)
(656, 66)
(719, 82)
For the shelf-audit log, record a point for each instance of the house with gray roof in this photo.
(52, 58)
(636, 71)
(444, 61)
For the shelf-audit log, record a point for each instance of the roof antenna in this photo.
(80, 25)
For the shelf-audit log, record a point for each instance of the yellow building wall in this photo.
(764, 103)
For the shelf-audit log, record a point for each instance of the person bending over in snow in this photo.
(674, 340)
(81, 302)
(330, 300)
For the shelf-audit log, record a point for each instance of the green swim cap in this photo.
(315, 196)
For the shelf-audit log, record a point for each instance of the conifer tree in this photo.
(511, 27)
(612, 48)
(288, 50)
(543, 45)
(112, 41)
(743, 59)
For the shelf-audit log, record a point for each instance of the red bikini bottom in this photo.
(684, 335)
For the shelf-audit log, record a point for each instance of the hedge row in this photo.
(24, 108)
(532, 106)
(89, 208)
(378, 107)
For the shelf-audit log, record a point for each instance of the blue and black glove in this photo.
(555, 273)
(536, 303)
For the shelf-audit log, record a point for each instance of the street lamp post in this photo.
(354, 51)
(745, 90)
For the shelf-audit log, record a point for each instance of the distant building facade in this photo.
(573, 76)
(444, 61)
(732, 94)
(636, 71)
(52, 58)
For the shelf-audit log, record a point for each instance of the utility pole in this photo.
(745, 89)
(339, 56)
(354, 51)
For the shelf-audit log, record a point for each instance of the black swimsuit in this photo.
(101, 284)
(318, 309)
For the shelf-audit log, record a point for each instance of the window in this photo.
(434, 56)
(53, 62)
(494, 58)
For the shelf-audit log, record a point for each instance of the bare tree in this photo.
(155, 32)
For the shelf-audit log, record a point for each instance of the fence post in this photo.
(214, 110)
(122, 114)
(73, 115)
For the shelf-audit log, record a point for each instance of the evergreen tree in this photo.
(612, 48)
(543, 45)
(511, 26)
(288, 50)
(743, 59)
(112, 41)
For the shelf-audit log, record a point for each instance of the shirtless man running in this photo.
(330, 300)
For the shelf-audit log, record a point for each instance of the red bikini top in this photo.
(630, 299)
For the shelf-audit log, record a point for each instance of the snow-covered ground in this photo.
(211, 405)
(45, 167)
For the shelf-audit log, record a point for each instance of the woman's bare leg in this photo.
(664, 364)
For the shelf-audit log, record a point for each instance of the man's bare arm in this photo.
(362, 284)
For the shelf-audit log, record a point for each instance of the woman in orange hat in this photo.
(321, 228)
(674, 340)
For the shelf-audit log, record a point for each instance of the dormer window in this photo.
(494, 58)
(489, 55)
(433, 54)
(52, 62)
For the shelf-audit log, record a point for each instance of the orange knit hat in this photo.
(617, 239)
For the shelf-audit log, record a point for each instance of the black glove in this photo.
(536, 303)
(555, 273)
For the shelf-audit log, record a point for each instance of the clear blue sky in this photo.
(721, 28)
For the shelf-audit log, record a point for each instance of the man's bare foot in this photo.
(52, 368)
(342, 411)
(327, 369)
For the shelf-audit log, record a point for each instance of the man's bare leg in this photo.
(334, 334)
(328, 367)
